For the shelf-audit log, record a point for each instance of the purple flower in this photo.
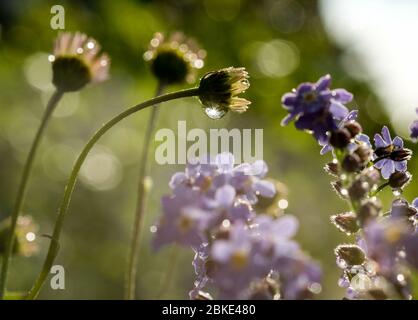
(411, 249)
(382, 242)
(183, 221)
(208, 192)
(390, 155)
(316, 107)
(211, 210)
(251, 253)
(413, 128)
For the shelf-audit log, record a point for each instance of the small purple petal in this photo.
(352, 115)
(388, 169)
(379, 142)
(264, 188)
(338, 110)
(259, 168)
(288, 118)
(225, 196)
(381, 163)
(400, 166)
(343, 95)
(398, 142)
(225, 161)
(413, 128)
(327, 148)
(364, 138)
(176, 179)
(415, 203)
(286, 226)
(304, 87)
(386, 135)
(289, 99)
(323, 82)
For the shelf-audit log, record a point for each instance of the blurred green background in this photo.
(280, 42)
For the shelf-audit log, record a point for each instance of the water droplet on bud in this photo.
(214, 113)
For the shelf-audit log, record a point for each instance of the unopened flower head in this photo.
(77, 61)
(174, 60)
(219, 90)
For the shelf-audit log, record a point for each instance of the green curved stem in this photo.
(141, 204)
(69, 188)
(27, 169)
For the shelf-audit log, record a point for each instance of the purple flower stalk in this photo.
(316, 107)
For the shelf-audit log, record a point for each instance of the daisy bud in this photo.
(346, 222)
(76, 62)
(25, 235)
(219, 90)
(398, 180)
(351, 254)
(175, 60)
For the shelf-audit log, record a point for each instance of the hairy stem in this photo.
(141, 203)
(27, 169)
(69, 188)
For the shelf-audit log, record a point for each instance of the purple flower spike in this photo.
(316, 107)
(390, 155)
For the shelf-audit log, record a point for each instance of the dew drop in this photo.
(283, 204)
(155, 42)
(30, 236)
(153, 229)
(401, 278)
(226, 223)
(214, 113)
(396, 192)
(148, 55)
(341, 263)
(315, 288)
(90, 45)
(51, 58)
(79, 50)
(402, 254)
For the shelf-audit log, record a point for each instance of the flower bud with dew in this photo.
(77, 61)
(219, 90)
(174, 60)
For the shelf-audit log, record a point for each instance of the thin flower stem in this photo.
(69, 188)
(380, 188)
(169, 273)
(141, 204)
(27, 169)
